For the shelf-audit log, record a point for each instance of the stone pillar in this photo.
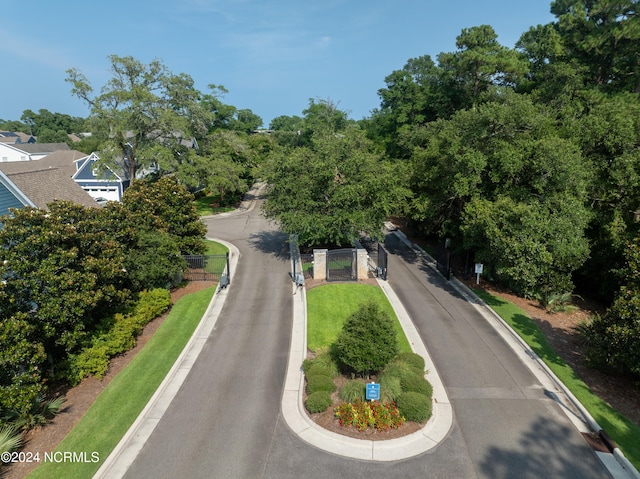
(320, 264)
(363, 264)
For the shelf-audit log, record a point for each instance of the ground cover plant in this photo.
(120, 403)
(623, 431)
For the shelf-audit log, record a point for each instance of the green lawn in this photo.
(210, 205)
(117, 407)
(329, 306)
(623, 431)
(215, 248)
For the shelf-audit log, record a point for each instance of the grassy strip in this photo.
(623, 431)
(117, 407)
(330, 305)
(210, 205)
(215, 248)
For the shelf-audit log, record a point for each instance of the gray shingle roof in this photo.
(46, 185)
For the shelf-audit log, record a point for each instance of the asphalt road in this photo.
(226, 422)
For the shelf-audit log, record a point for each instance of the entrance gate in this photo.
(342, 265)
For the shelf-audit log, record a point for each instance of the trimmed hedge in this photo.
(414, 406)
(119, 338)
(416, 384)
(319, 401)
(320, 382)
(412, 359)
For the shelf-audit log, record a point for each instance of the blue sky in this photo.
(271, 55)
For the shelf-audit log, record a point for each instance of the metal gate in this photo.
(383, 257)
(207, 267)
(342, 265)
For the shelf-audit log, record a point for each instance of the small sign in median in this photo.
(373, 392)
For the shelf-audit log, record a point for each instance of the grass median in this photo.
(623, 431)
(330, 305)
(117, 407)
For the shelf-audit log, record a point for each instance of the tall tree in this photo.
(143, 112)
(481, 64)
(332, 190)
(602, 35)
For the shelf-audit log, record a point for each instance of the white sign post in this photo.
(479, 268)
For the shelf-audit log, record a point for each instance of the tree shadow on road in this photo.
(271, 242)
(548, 449)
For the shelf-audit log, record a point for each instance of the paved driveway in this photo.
(226, 421)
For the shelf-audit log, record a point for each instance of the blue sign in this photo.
(373, 392)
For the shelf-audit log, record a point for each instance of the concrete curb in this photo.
(296, 417)
(126, 451)
(622, 467)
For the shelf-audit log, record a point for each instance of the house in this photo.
(11, 196)
(108, 183)
(81, 168)
(15, 137)
(28, 151)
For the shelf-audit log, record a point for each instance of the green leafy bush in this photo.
(353, 390)
(417, 384)
(367, 341)
(412, 359)
(320, 382)
(116, 339)
(414, 406)
(323, 363)
(319, 401)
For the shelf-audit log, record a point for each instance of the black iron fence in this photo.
(214, 267)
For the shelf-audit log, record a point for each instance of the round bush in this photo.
(416, 384)
(390, 389)
(412, 359)
(320, 382)
(414, 407)
(319, 401)
(323, 368)
(353, 390)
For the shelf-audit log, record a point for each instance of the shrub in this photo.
(390, 389)
(320, 382)
(412, 359)
(414, 406)
(367, 341)
(319, 401)
(40, 412)
(10, 438)
(416, 384)
(353, 390)
(400, 369)
(323, 363)
(119, 338)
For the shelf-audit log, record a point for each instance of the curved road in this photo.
(226, 421)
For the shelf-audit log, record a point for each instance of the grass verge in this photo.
(117, 407)
(623, 431)
(214, 247)
(328, 307)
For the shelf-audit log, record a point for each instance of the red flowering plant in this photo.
(362, 415)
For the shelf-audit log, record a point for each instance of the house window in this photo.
(4, 158)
